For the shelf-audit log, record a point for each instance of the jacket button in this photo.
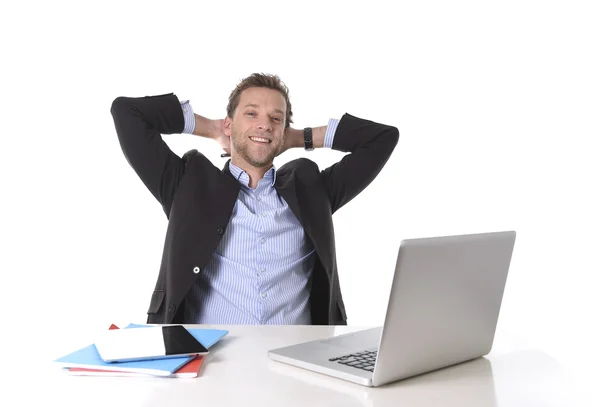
(220, 231)
(196, 270)
(171, 308)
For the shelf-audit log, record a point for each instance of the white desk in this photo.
(239, 373)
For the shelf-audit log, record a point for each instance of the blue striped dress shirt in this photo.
(261, 271)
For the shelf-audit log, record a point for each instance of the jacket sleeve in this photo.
(370, 145)
(139, 123)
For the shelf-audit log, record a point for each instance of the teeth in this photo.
(259, 139)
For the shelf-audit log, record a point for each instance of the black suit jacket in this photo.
(198, 198)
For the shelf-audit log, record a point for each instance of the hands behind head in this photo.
(292, 138)
(221, 138)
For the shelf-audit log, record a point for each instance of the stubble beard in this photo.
(241, 144)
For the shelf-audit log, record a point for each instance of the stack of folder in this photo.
(87, 361)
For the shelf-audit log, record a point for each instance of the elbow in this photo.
(393, 136)
(118, 105)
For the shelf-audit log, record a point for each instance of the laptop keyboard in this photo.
(361, 360)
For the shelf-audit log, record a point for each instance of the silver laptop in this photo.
(443, 310)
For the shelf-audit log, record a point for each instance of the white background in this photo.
(497, 107)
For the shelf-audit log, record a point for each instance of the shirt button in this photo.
(196, 270)
(262, 270)
(263, 295)
(263, 214)
(185, 110)
(262, 239)
(258, 198)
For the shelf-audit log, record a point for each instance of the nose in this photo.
(264, 125)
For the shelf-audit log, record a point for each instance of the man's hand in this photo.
(218, 135)
(212, 129)
(291, 139)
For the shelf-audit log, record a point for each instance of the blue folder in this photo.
(88, 357)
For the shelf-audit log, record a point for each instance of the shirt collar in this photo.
(243, 177)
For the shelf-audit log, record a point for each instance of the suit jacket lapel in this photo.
(287, 187)
(230, 190)
(226, 169)
(285, 184)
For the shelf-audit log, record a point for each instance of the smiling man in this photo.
(256, 123)
(248, 244)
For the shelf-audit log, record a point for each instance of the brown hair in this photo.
(259, 80)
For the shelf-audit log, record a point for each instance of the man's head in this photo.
(258, 114)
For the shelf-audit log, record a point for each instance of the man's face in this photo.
(257, 128)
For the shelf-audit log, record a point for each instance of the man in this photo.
(248, 244)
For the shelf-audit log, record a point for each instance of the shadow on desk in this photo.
(467, 384)
(525, 378)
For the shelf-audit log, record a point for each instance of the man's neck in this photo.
(254, 173)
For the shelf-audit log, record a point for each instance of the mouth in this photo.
(260, 140)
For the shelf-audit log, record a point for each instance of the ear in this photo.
(227, 126)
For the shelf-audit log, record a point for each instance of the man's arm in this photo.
(370, 145)
(212, 129)
(294, 138)
(139, 123)
(322, 136)
(203, 127)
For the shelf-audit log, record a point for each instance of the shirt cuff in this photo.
(188, 117)
(330, 132)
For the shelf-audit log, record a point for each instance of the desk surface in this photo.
(239, 373)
